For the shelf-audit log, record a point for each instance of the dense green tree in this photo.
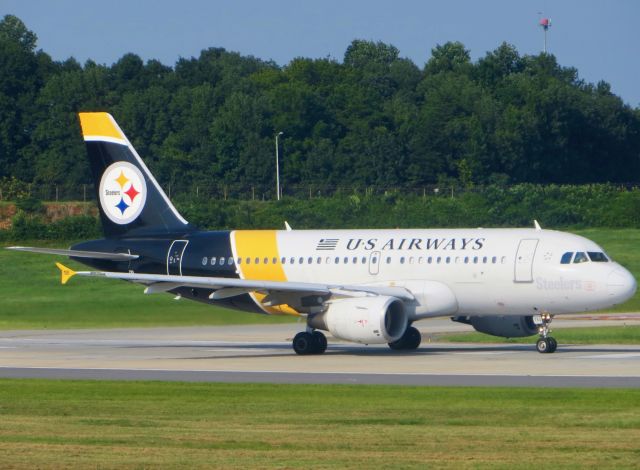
(372, 119)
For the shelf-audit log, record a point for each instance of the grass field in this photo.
(166, 425)
(32, 296)
(594, 335)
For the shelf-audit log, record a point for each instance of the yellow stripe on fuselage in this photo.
(261, 244)
(99, 125)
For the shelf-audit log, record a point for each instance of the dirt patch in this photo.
(53, 212)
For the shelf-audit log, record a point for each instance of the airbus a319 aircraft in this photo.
(364, 286)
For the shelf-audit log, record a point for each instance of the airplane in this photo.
(362, 286)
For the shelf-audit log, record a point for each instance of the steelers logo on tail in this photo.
(123, 192)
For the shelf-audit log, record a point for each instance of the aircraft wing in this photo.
(76, 253)
(226, 287)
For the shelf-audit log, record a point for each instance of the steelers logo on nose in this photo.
(123, 192)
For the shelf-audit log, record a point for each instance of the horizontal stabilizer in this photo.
(76, 253)
(65, 273)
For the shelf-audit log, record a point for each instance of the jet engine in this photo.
(368, 320)
(502, 325)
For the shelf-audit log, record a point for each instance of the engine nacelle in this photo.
(502, 325)
(368, 320)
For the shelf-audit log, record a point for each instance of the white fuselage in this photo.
(449, 271)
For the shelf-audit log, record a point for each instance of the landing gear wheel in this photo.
(543, 345)
(409, 340)
(304, 343)
(546, 344)
(321, 342)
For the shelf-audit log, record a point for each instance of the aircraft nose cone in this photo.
(621, 284)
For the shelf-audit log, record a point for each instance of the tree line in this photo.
(374, 118)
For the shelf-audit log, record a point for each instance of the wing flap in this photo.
(228, 287)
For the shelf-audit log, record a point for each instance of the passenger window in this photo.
(355, 260)
(448, 260)
(580, 258)
(337, 260)
(411, 260)
(300, 260)
(239, 260)
(364, 260)
(430, 260)
(274, 260)
(374, 260)
(266, 261)
(503, 260)
(346, 260)
(466, 260)
(402, 260)
(597, 257)
(438, 260)
(213, 260)
(283, 260)
(309, 260)
(566, 258)
(388, 259)
(230, 262)
(221, 260)
(484, 260)
(494, 260)
(319, 260)
(257, 260)
(292, 260)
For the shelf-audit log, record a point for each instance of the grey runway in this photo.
(263, 354)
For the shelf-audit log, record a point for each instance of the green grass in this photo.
(33, 298)
(589, 335)
(166, 425)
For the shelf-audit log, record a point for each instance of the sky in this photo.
(598, 38)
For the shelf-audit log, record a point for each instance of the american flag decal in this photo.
(327, 244)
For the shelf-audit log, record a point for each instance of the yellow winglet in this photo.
(65, 273)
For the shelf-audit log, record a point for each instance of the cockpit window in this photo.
(580, 258)
(597, 257)
(566, 258)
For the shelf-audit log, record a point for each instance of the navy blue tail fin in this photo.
(130, 200)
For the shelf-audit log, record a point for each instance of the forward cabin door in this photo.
(523, 271)
(174, 257)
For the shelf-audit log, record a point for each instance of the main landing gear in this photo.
(409, 340)
(309, 342)
(546, 343)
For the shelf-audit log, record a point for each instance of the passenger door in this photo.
(174, 257)
(374, 262)
(523, 270)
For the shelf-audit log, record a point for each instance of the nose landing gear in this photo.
(546, 343)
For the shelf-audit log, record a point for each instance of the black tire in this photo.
(321, 342)
(543, 345)
(412, 338)
(553, 344)
(304, 343)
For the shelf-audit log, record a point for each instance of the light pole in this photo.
(277, 168)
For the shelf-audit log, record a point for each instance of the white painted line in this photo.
(312, 373)
(612, 356)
